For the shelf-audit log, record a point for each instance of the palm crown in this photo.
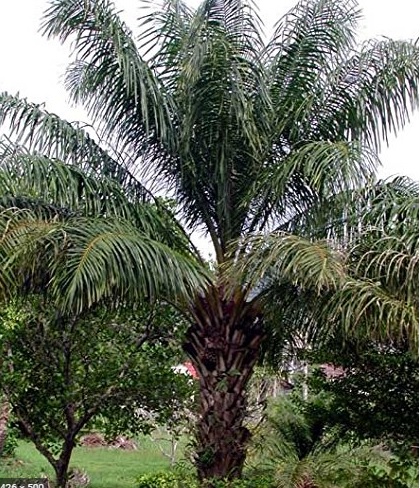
(245, 134)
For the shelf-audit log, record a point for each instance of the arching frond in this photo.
(165, 29)
(384, 206)
(324, 88)
(35, 129)
(65, 184)
(303, 263)
(28, 179)
(308, 41)
(307, 177)
(122, 94)
(371, 94)
(365, 308)
(85, 260)
(369, 287)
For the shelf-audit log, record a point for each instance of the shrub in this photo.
(176, 479)
(170, 479)
(11, 442)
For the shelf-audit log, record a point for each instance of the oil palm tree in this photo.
(302, 451)
(245, 135)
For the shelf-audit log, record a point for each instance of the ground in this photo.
(106, 467)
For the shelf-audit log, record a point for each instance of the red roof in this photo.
(190, 368)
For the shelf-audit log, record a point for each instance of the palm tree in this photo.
(244, 135)
(301, 452)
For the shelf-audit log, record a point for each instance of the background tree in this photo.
(376, 396)
(246, 136)
(61, 374)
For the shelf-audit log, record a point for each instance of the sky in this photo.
(34, 66)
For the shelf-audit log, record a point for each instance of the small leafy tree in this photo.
(376, 396)
(62, 372)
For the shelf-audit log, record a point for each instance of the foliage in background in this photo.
(298, 452)
(299, 447)
(61, 373)
(376, 395)
(182, 479)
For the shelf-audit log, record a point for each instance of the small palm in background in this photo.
(301, 452)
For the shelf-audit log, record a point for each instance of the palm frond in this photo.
(303, 451)
(64, 184)
(371, 94)
(165, 29)
(82, 261)
(308, 41)
(35, 129)
(364, 307)
(389, 206)
(304, 263)
(306, 178)
(28, 180)
(122, 94)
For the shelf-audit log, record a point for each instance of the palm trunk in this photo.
(223, 344)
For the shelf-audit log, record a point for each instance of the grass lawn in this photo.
(107, 468)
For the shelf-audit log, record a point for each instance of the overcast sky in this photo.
(34, 66)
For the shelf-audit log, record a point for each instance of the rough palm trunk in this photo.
(223, 345)
(4, 420)
(306, 482)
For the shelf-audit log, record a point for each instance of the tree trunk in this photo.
(223, 344)
(4, 420)
(61, 466)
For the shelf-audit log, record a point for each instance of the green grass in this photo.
(106, 467)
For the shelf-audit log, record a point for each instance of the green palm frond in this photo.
(308, 41)
(216, 76)
(362, 275)
(389, 206)
(202, 107)
(25, 173)
(344, 467)
(390, 260)
(122, 94)
(371, 94)
(85, 260)
(247, 137)
(35, 129)
(307, 177)
(304, 263)
(164, 33)
(28, 180)
(364, 307)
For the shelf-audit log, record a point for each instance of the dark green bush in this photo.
(11, 442)
(169, 479)
(174, 479)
